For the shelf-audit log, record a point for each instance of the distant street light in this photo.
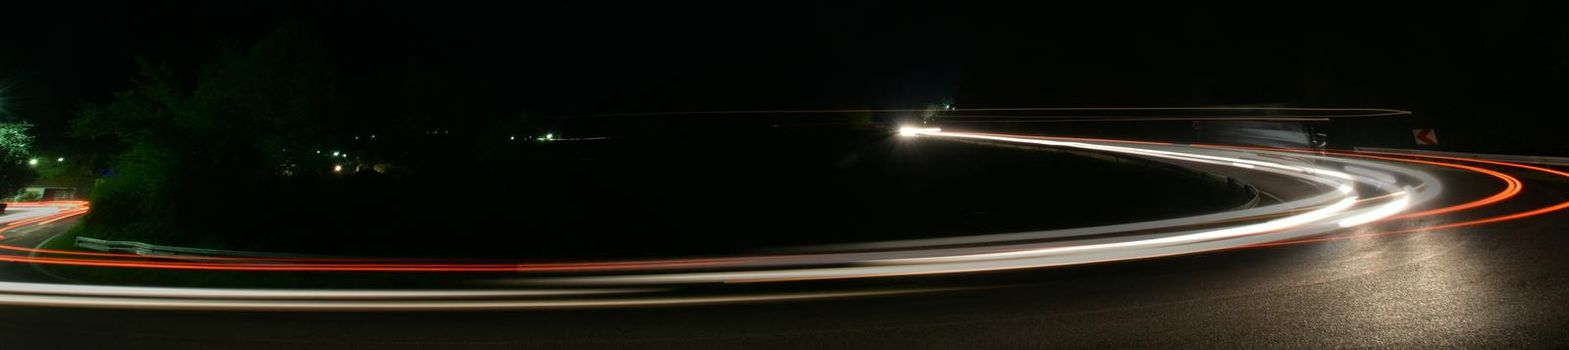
(33, 161)
(337, 168)
(61, 159)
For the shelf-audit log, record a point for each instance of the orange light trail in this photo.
(1489, 220)
(1513, 186)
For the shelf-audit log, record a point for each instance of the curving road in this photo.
(1354, 250)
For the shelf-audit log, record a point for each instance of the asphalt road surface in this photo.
(1492, 285)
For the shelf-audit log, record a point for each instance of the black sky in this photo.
(1456, 66)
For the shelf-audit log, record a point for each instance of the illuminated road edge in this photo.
(1389, 190)
(1349, 190)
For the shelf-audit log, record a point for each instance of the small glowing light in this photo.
(337, 168)
(549, 136)
(318, 151)
(334, 153)
(912, 131)
(61, 159)
(510, 138)
(33, 161)
(373, 136)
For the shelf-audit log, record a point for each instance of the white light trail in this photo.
(1400, 203)
(916, 131)
(1330, 201)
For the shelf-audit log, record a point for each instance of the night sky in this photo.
(1493, 70)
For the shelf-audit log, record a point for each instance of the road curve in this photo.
(1371, 249)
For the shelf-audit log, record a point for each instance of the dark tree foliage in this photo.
(194, 154)
(245, 154)
(240, 155)
(14, 170)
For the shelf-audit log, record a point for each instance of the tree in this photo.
(197, 157)
(15, 172)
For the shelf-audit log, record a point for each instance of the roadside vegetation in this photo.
(271, 148)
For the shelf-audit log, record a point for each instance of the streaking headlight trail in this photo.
(1313, 195)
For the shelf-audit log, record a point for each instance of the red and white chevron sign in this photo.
(1425, 137)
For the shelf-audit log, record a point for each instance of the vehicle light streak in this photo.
(1512, 185)
(1384, 211)
(1273, 225)
(1338, 205)
(914, 131)
(1488, 220)
(1342, 188)
(271, 300)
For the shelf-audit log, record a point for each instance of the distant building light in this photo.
(337, 168)
(334, 153)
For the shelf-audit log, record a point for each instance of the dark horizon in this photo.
(1490, 72)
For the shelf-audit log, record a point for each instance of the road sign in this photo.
(1425, 137)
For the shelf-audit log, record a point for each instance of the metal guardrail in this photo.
(1559, 161)
(140, 248)
(1257, 197)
